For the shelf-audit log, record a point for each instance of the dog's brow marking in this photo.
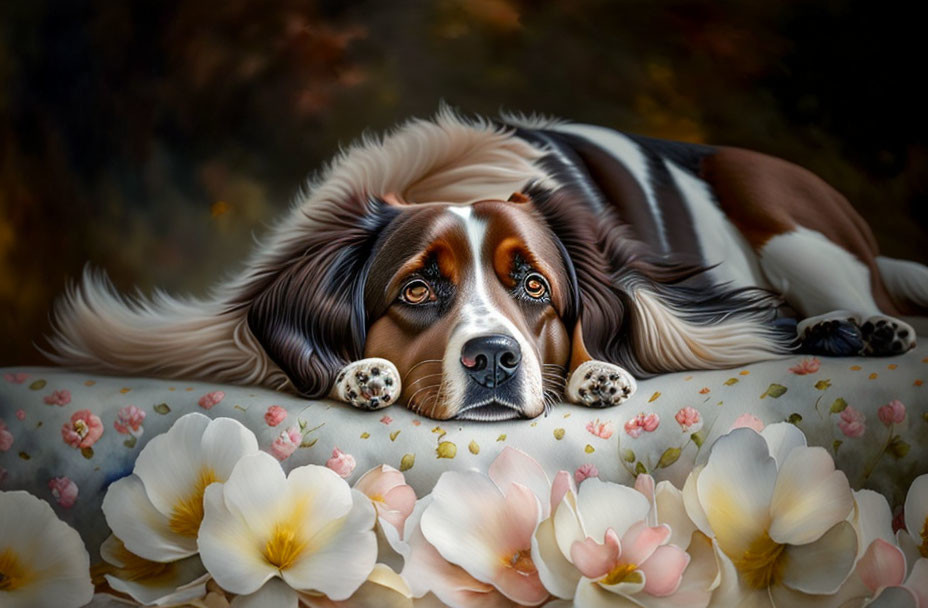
(628, 153)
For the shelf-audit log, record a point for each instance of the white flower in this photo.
(309, 529)
(157, 510)
(384, 588)
(43, 561)
(152, 583)
(914, 539)
(777, 510)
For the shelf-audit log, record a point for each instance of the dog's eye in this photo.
(535, 286)
(416, 291)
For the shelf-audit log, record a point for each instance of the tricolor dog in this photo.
(485, 270)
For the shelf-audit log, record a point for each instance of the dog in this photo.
(482, 269)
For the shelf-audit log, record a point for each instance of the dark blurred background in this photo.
(154, 138)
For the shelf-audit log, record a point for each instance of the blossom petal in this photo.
(820, 567)
(166, 589)
(556, 573)
(916, 505)
(872, 519)
(918, 581)
(143, 529)
(275, 593)
(642, 540)
(567, 525)
(168, 466)
(593, 559)
(782, 438)
(225, 441)
(672, 511)
(327, 496)
(253, 492)
(562, 484)
(379, 480)
(735, 489)
(603, 505)
(694, 509)
(896, 597)
(699, 577)
(227, 547)
(883, 565)
(515, 466)
(809, 498)
(663, 571)
(592, 595)
(342, 556)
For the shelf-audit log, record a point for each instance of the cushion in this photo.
(664, 429)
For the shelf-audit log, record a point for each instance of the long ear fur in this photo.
(651, 314)
(310, 315)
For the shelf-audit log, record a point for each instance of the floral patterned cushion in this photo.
(65, 436)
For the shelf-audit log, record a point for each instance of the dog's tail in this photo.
(907, 283)
(95, 328)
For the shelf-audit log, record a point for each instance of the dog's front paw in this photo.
(835, 334)
(600, 384)
(368, 384)
(884, 336)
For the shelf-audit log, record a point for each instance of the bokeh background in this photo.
(153, 138)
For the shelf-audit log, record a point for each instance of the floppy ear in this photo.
(309, 314)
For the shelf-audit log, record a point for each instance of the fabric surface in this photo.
(871, 414)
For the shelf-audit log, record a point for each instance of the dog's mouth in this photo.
(490, 410)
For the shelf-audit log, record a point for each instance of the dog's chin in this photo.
(490, 410)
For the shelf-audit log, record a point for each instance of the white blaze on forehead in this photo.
(479, 316)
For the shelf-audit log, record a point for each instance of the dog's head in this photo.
(473, 303)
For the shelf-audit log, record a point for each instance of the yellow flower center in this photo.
(923, 548)
(760, 565)
(187, 513)
(81, 428)
(13, 574)
(377, 498)
(622, 573)
(521, 562)
(286, 543)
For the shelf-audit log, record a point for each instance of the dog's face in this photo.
(467, 301)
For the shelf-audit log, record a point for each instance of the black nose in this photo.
(491, 360)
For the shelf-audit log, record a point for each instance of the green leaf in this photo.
(162, 408)
(698, 438)
(898, 448)
(24, 456)
(87, 453)
(794, 418)
(446, 449)
(774, 390)
(639, 469)
(559, 433)
(130, 441)
(835, 445)
(670, 456)
(628, 455)
(823, 384)
(308, 444)
(838, 406)
(38, 385)
(394, 434)
(501, 437)
(730, 382)
(407, 462)
(474, 447)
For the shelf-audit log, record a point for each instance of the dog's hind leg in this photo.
(832, 290)
(368, 384)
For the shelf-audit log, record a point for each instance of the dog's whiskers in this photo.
(423, 362)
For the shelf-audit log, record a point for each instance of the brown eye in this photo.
(416, 292)
(535, 286)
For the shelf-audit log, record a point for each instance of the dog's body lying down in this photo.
(483, 270)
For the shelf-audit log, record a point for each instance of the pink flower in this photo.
(6, 437)
(603, 430)
(129, 421)
(60, 398)
(852, 422)
(806, 366)
(17, 378)
(689, 419)
(642, 548)
(647, 423)
(341, 463)
(747, 421)
(892, 413)
(20, 414)
(64, 490)
(274, 415)
(585, 471)
(83, 430)
(392, 497)
(386, 420)
(208, 400)
(286, 443)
